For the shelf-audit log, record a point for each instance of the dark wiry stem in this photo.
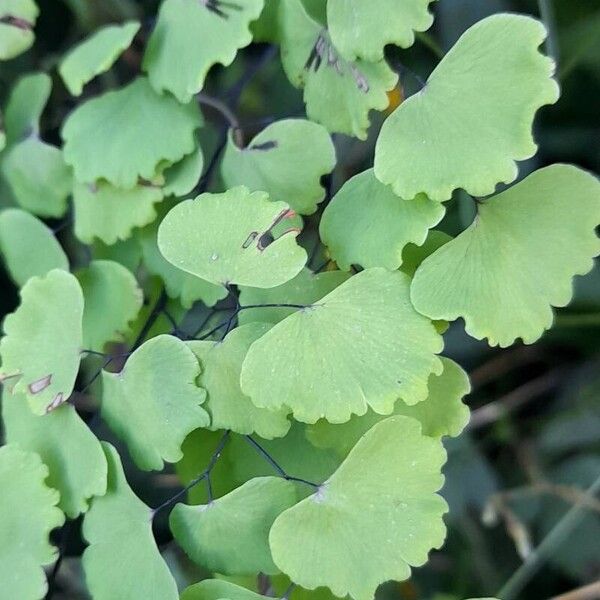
(204, 475)
(276, 465)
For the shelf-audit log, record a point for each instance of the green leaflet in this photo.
(316, 9)
(266, 27)
(230, 535)
(96, 55)
(127, 253)
(306, 288)
(29, 248)
(278, 585)
(413, 255)
(118, 528)
(281, 584)
(223, 28)
(72, 453)
(38, 177)
(28, 514)
(373, 519)
(153, 403)
(287, 160)
(227, 405)
(182, 177)
(362, 29)
(441, 413)
(503, 274)
(17, 20)
(179, 284)
(224, 239)
(363, 345)
(472, 120)
(110, 138)
(368, 225)
(339, 94)
(42, 340)
(25, 106)
(218, 589)
(112, 300)
(110, 214)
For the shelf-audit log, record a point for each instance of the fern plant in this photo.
(304, 409)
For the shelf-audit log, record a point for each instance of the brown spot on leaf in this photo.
(250, 239)
(13, 379)
(264, 146)
(56, 402)
(221, 8)
(35, 387)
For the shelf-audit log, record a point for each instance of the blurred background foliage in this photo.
(534, 440)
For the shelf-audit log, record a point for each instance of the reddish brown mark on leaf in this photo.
(16, 22)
